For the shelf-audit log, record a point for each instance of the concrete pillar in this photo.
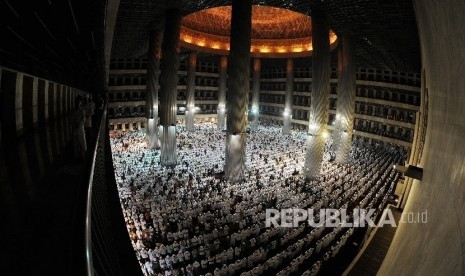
(27, 103)
(19, 102)
(59, 95)
(64, 100)
(168, 87)
(287, 115)
(320, 94)
(153, 74)
(72, 99)
(257, 64)
(190, 87)
(41, 101)
(238, 89)
(51, 100)
(345, 111)
(56, 98)
(35, 104)
(221, 109)
(67, 88)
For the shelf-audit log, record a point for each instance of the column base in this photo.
(314, 157)
(343, 149)
(152, 134)
(235, 157)
(190, 122)
(254, 123)
(287, 126)
(220, 120)
(168, 156)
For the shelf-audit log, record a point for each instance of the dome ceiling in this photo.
(384, 32)
(276, 32)
(267, 22)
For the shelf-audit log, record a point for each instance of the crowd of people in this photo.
(189, 220)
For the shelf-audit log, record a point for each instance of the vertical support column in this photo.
(340, 65)
(345, 113)
(287, 115)
(190, 87)
(153, 74)
(59, 98)
(19, 102)
(41, 101)
(168, 87)
(56, 97)
(238, 89)
(72, 99)
(51, 100)
(46, 99)
(257, 64)
(35, 99)
(27, 105)
(63, 99)
(320, 94)
(221, 109)
(67, 99)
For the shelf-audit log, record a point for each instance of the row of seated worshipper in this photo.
(187, 220)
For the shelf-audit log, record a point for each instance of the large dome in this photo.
(276, 32)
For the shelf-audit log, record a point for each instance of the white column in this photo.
(168, 87)
(153, 74)
(35, 99)
(320, 94)
(19, 102)
(47, 83)
(238, 90)
(190, 89)
(255, 110)
(221, 109)
(287, 115)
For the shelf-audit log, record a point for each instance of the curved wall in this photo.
(437, 247)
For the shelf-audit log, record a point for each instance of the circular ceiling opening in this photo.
(276, 32)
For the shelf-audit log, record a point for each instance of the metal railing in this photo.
(108, 250)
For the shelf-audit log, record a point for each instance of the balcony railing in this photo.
(101, 245)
